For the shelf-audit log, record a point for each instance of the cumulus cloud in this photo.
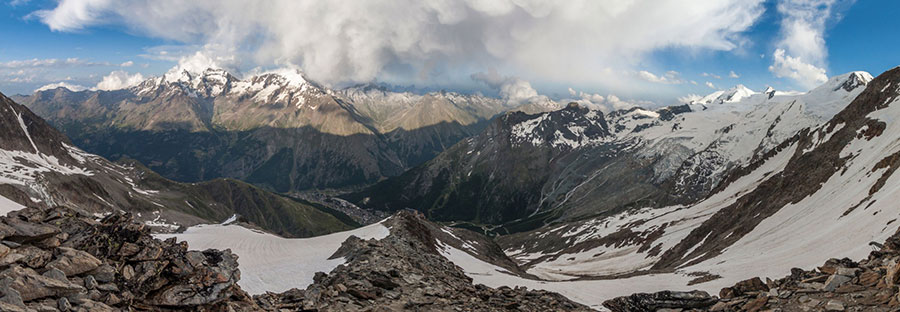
(119, 80)
(711, 85)
(711, 75)
(61, 84)
(607, 103)
(127, 64)
(801, 53)
(512, 89)
(795, 68)
(734, 75)
(361, 40)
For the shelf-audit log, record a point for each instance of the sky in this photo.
(603, 51)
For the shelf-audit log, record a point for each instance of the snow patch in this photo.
(272, 263)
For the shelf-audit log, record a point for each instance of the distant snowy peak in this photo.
(733, 95)
(282, 85)
(207, 83)
(288, 86)
(847, 82)
(571, 127)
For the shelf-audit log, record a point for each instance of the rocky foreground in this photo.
(838, 285)
(405, 271)
(63, 259)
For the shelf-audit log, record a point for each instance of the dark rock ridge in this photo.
(405, 271)
(870, 284)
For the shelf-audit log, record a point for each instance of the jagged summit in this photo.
(847, 82)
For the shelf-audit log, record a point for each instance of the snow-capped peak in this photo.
(209, 82)
(847, 82)
(735, 94)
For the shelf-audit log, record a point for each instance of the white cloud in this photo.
(512, 89)
(360, 40)
(801, 53)
(119, 80)
(127, 64)
(734, 75)
(711, 85)
(689, 98)
(61, 84)
(670, 77)
(806, 74)
(606, 103)
(36, 63)
(711, 75)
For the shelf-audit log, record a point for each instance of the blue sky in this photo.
(631, 54)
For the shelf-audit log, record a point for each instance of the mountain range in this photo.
(528, 170)
(589, 204)
(276, 129)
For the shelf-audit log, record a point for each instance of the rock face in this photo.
(404, 271)
(870, 284)
(77, 263)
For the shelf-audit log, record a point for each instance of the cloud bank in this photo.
(417, 40)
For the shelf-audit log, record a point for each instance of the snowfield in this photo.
(269, 263)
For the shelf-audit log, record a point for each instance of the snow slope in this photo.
(853, 206)
(271, 263)
(588, 292)
(7, 206)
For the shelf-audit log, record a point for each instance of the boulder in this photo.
(660, 300)
(74, 262)
(836, 281)
(744, 287)
(32, 285)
